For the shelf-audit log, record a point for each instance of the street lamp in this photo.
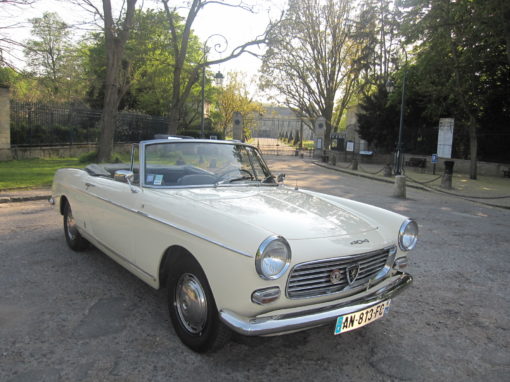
(398, 153)
(218, 79)
(219, 47)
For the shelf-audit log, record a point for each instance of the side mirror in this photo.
(281, 178)
(125, 176)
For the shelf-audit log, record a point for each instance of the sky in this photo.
(236, 25)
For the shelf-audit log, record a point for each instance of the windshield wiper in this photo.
(245, 177)
(225, 181)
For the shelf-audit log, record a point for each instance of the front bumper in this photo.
(292, 322)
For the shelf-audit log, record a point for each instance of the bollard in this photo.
(355, 164)
(446, 181)
(399, 189)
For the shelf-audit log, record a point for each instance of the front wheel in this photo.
(192, 308)
(73, 237)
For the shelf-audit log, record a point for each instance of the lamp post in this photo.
(219, 48)
(398, 153)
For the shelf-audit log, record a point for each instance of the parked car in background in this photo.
(236, 249)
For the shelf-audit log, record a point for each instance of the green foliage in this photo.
(150, 60)
(234, 97)
(89, 157)
(49, 54)
(459, 68)
(7, 77)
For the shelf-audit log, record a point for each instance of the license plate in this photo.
(363, 317)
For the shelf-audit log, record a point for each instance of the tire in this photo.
(192, 308)
(73, 237)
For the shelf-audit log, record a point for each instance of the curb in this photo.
(19, 199)
(368, 176)
(411, 185)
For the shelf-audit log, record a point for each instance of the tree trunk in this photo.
(114, 45)
(473, 148)
(108, 119)
(173, 120)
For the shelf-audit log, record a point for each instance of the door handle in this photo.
(87, 185)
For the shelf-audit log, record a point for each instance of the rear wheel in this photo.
(73, 237)
(192, 308)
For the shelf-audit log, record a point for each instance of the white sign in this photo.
(445, 138)
(350, 146)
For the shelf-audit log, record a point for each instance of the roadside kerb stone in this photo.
(23, 195)
(496, 201)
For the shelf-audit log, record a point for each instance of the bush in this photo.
(89, 157)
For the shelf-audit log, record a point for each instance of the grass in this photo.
(33, 173)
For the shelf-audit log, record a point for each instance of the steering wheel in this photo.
(224, 174)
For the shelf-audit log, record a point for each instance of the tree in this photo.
(463, 55)
(184, 78)
(47, 54)
(234, 97)
(376, 32)
(310, 59)
(8, 44)
(150, 76)
(148, 49)
(116, 33)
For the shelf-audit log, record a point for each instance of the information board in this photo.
(445, 138)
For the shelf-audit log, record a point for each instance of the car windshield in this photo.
(202, 164)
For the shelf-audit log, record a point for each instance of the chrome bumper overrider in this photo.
(284, 323)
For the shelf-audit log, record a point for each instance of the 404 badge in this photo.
(363, 317)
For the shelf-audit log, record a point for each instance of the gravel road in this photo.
(67, 316)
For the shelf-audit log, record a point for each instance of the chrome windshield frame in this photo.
(142, 160)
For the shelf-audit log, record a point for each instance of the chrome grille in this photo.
(313, 278)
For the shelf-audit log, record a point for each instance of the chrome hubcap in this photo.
(191, 303)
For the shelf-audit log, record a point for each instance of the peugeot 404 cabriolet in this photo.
(236, 249)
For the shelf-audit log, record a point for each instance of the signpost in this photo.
(435, 159)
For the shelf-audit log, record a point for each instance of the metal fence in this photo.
(36, 124)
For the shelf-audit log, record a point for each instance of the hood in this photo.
(281, 211)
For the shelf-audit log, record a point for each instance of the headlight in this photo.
(273, 258)
(408, 235)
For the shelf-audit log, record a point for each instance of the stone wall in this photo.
(66, 151)
(5, 127)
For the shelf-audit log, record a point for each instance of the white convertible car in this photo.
(237, 250)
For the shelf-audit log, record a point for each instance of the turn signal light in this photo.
(265, 296)
(401, 263)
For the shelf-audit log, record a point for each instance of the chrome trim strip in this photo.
(165, 222)
(283, 323)
(255, 184)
